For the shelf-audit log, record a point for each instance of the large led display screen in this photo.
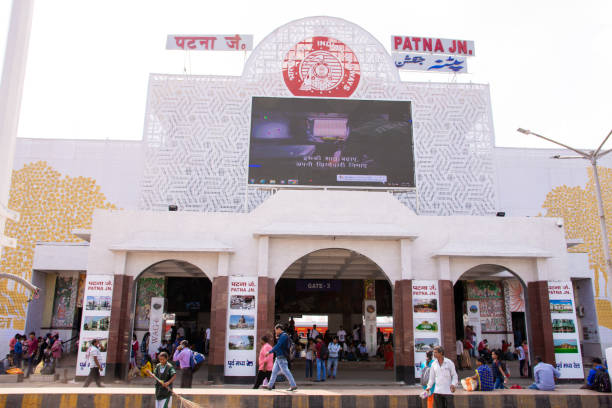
(331, 142)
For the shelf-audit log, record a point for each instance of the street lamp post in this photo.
(592, 156)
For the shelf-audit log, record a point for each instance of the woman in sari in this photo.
(388, 353)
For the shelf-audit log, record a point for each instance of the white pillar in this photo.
(11, 88)
(223, 264)
(263, 255)
(406, 258)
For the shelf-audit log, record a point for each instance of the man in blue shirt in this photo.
(597, 365)
(281, 350)
(544, 375)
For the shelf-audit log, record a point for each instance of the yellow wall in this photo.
(578, 207)
(51, 206)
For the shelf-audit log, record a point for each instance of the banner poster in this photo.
(369, 307)
(95, 322)
(241, 337)
(566, 338)
(156, 324)
(473, 313)
(426, 320)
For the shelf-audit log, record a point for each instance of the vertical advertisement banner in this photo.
(473, 312)
(566, 338)
(156, 323)
(241, 337)
(425, 319)
(97, 298)
(369, 307)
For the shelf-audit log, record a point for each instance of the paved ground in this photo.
(351, 375)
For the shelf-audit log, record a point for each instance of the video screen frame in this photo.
(412, 168)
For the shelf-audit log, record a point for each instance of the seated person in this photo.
(505, 351)
(544, 376)
(362, 351)
(483, 350)
(590, 381)
(351, 353)
(483, 375)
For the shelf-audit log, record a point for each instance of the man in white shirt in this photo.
(93, 358)
(314, 333)
(442, 373)
(207, 342)
(459, 352)
(180, 332)
(342, 340)
(356, 334)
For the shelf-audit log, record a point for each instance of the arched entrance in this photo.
(332, 290)
(184, 292)
(491, 302)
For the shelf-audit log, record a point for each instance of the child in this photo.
(166, 374)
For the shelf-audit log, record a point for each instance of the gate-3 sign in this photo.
(321, 66)
(565, 329)
(241, 327)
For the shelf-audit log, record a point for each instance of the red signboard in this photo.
(321, 66)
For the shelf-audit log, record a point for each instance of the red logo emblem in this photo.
(321, 66)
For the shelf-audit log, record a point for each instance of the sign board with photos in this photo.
(98, 296)
(566, 338)
(241, 337)
(426, 320)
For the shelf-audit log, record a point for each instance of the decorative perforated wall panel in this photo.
(197, 129)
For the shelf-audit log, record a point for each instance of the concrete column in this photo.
(265, 309)
(218, 327)
(11, 90)
(406, 258)
(444, 267)
(223, 264)
(403, 336)
(539, 322)
(262, 256)
(447, 319)
(120, 330)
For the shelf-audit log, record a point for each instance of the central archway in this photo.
(187, 293)
(327, 290)
(492, 300)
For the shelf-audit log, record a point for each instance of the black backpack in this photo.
(291, 348)
(324, 352)
(601, 382)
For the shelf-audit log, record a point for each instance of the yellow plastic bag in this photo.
(145, 368)
(39, 368)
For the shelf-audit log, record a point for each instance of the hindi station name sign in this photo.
(210, 42)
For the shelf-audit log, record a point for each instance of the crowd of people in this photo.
(32, 354)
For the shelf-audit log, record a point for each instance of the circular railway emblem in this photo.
(321, 66)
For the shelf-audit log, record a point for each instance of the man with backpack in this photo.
(598, 378)
(322, 356)
(282, 350)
